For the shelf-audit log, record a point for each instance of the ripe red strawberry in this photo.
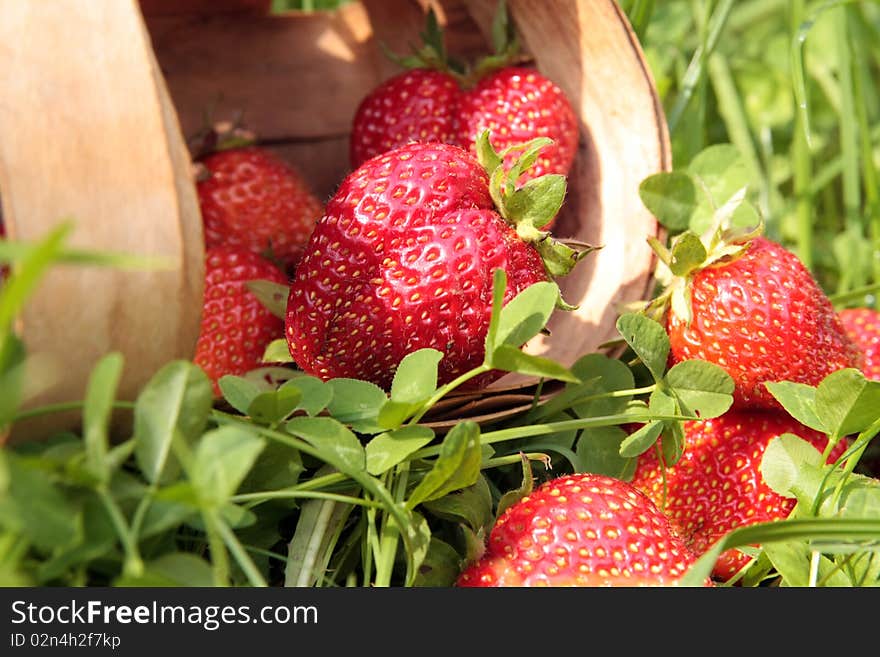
(253, 199)
(863, 327)
(433, 102)
(403, 259)
(518, 104)
(416, 105)
(236, 327)
(581, 530)
(717, 485)
(761, 316)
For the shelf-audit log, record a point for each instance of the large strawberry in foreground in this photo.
(863, 326)
(251, 198)
(404, 259)
(717, 485)
(236, 327)
(581, 530)
(757, 312)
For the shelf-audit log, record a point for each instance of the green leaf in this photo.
(471, 505)
(704, 389)
(98, 407)
(486, 153)
(176, 400)
(536, 202)
(315, 395)
(671, 197)
(13, 368)
(172, 569)
(641, 440)
(440, 567)
(457, 466)
(687, 254)
(272, 407)
(499, 286)
(799, 400)
(277, 351)
(272, 295)
(523, 317)
(239, 392)
(34, 506)
(513, 359)
(718, 172)
(648, 340)
(525, 488)
(599, 374)
(278, 466)
(357, 403)
(847, 402)
(392, 447)
(416, 377)
(784, 462)
(417, 540)
(335, 444)
(598, 450)
(222, 459)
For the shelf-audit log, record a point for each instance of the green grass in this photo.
(793, 85)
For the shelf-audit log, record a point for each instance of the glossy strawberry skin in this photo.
(416, 105)
(863, 327)
(235, 327)
(581, 530)
(717, 486)
(762, 317)
(518, 104)
(403, 259)
(251, 198)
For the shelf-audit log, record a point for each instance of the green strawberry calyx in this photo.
(222, 135)
(530, 206)
(689, 253)
(432, 54)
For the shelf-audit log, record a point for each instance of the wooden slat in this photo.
(92, 136)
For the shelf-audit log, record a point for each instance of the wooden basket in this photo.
(94, 133)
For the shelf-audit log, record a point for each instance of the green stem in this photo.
(562, 400)
(134, 565)
(515, 458)
(255, 578)
(293, 493)
(514, 433)
(444, 390)
(219, 555)
(62, 407)
(391, 531)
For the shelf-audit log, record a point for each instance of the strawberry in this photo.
(249, 197)
(415, 105)
(581, 530)
(517, 104)
(863, 327)
(433, 101)
(716, 485)
(236, 327)
(404, 257)
(754, 309)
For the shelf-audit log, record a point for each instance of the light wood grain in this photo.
(87, 132)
